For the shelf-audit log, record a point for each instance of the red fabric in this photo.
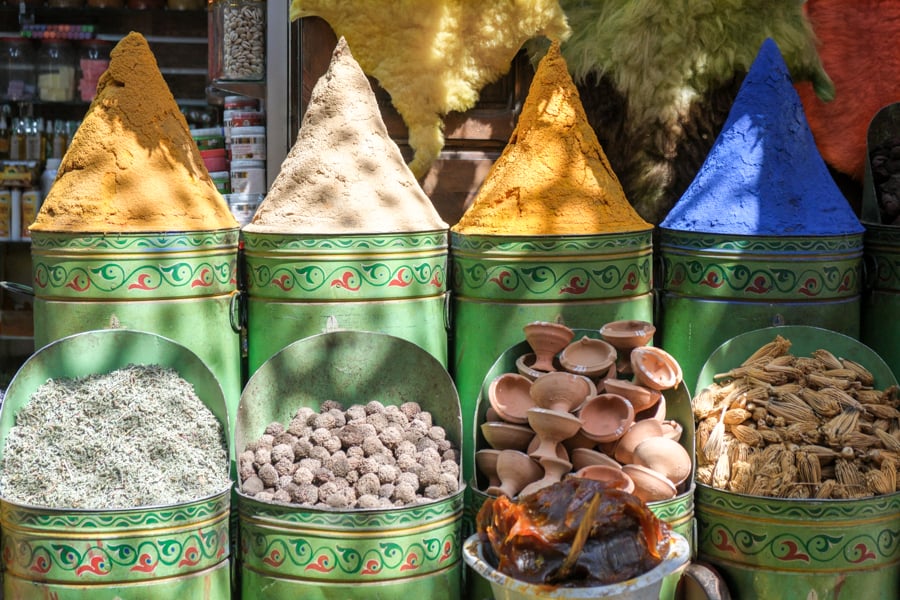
(860, 52)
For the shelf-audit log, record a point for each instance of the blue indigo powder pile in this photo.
(764, 175)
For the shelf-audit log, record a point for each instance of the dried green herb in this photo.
(137, 436)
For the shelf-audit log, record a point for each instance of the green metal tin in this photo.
(180, 550)
(295, 551)
(677, 512)
(797, 548)
(302, 285)
(881, 300)
(182, 286)
(716, 287)
(502, 283)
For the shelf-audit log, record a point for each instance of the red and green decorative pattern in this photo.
(761, 268)
(134, 266)
(549, 268)
(106, 548)
(310, 547)
(355, 268)
(793, 547)
(882, 244)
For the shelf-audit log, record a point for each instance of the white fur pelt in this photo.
(435, 56)
(657, 79)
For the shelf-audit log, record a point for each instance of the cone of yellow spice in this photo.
(132, 166)
(553, 177)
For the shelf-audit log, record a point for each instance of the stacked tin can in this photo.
(245, 143)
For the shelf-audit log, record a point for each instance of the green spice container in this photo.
(345, 237)
(144, 243)
(167, 551)
(880, 327)
(549, 237)
(293, 550)
(799, 547)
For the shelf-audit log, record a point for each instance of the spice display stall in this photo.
(364, 447)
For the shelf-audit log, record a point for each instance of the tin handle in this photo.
(236, 311)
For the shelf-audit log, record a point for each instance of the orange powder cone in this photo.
(553, 177)
(132, 165)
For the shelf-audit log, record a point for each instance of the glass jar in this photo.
(93, 60)
(237, 40)
(56, 71)
(17, 71)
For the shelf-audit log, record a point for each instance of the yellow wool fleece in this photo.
(434, 57)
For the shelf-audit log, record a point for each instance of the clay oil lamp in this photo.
(509, 395)
(649, 485)
(656, 412)
(606, 417)
(655, 368)
(551, 427)
(561, 451)
(641, 397)
(506, 436)
(579, 440)
(515, 470)
(525, 366)
(672, 430)
(585, 457)
(554, 470)
(626, 335)
(613, 477)
(640, 431)
(664, 456)
(561, 391)
(546, 340)
(486, 461)
(589, 357)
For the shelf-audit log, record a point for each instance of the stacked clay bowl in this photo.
(576, 415)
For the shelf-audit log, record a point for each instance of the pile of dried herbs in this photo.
(137, 436)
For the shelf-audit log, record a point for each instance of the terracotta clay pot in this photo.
(554, 470)
(551, 427)
(506, 436)
(649, 485)
(606, 417)
(515, 470)
(486, 461)
(640, 431)
(547, 339)
(585, 457)
(641, 397)
(614, 477)
(561, 391)
(510, 396)
(589, 357)
(561, 450)
(655, 368)
(626, 335)
(664, 456)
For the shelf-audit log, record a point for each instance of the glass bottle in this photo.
(60, 139)
(17, 76)
(56, 71)
(93, 60)
(238, 44)
(17, 140)
(34, 134)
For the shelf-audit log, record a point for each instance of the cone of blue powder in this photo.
(764, 175)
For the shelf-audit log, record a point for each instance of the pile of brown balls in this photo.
(367, 457)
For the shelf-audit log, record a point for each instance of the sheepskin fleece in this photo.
(434, 57)
(858, 43)
(657, 79)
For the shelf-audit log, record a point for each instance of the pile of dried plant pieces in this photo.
(787, 426)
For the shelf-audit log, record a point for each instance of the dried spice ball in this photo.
(268, 474)
(371, 456)
(253, 485)
(330, 405)
(274, 429)
(284, 467)
(282, 452)
(136, 436)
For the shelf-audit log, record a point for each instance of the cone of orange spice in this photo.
(553, 177)
(132, 165)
